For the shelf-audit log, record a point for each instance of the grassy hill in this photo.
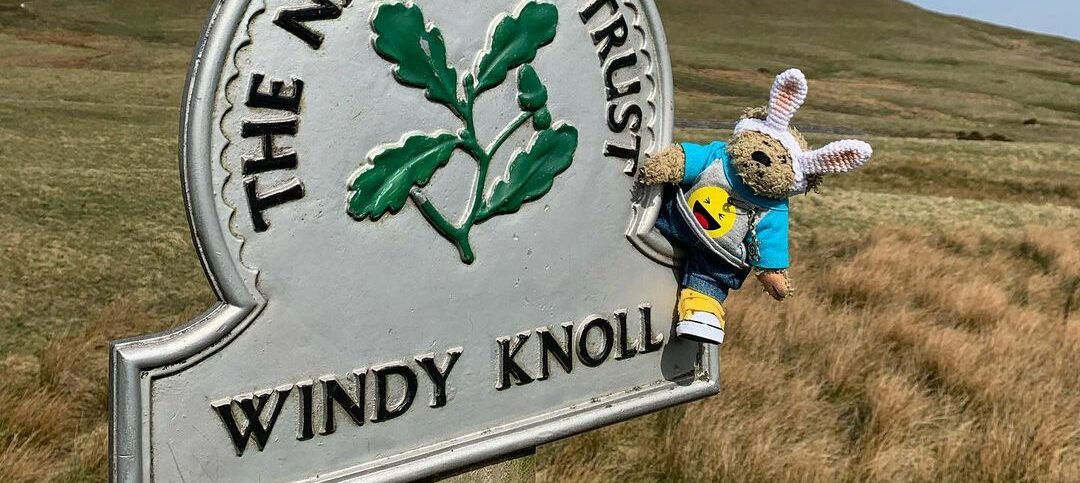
(935, 336)
(883, 65)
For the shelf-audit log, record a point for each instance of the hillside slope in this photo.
(883, 65)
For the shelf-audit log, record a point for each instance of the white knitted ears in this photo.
(787, 96)
(836, 157)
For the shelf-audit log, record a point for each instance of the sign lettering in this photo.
(414, 213)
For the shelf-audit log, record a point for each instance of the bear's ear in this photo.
(835, 157)
(787, 95)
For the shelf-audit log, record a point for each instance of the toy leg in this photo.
(671, 224)
(691, 300)
(701, 317)
(706, 282)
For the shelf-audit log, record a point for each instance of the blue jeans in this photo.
(704, 271)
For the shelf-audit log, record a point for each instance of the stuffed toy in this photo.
(729, 208)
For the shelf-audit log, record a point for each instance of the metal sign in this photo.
(415, 216)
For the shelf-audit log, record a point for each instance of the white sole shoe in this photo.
(701, 327)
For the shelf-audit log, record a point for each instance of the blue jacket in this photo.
(768, 235)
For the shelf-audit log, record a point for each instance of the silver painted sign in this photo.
(421, 220)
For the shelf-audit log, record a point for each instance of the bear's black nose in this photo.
(761, 157)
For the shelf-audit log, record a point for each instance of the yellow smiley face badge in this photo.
(712, 210)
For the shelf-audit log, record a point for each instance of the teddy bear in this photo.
(728, 206)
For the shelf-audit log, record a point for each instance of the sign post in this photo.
(415, 217)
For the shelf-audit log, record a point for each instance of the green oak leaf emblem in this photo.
(397, 172)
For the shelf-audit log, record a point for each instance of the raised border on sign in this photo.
(134, 363)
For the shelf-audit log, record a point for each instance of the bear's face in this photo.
(763, 163)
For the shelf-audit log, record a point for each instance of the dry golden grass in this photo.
(54, 424)
(907, 356)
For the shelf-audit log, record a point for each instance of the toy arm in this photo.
(679, 163)
(773, 257)
(776, 283)
(667, 166)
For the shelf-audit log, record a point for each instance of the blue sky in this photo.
(1058, 17)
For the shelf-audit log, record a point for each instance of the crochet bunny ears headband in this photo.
(787, 95)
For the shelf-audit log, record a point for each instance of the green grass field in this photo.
(94, 244)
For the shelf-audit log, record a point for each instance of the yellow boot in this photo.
(701, 317)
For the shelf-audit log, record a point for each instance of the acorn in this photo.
(542, 119)
(532, 95)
